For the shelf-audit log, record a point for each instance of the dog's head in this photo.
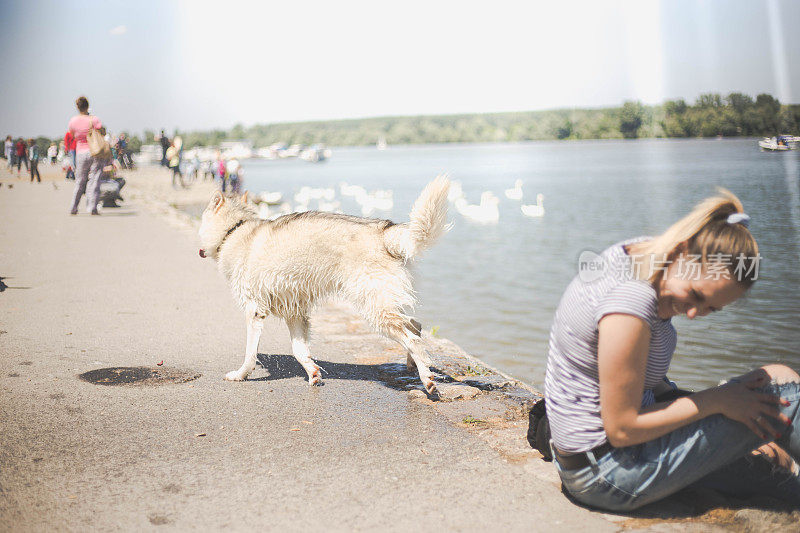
(221, 213)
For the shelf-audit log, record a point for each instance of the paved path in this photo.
(127, 289)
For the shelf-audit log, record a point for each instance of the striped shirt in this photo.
(572, 385)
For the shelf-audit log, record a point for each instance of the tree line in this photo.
(711, 115)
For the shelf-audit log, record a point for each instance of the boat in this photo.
(381, 144)
(315, 153)
(781, 143)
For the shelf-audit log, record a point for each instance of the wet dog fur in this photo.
(286, 266)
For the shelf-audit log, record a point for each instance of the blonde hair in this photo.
(707, 233)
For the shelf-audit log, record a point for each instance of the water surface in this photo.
(493, 289)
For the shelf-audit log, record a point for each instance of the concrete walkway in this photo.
(127, 289)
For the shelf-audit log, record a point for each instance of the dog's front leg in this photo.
(298, 331)
(255, 324)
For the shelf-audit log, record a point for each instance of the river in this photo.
(493, 289)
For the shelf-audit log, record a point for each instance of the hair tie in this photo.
(739, 218)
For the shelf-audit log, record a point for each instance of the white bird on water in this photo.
(532, 210)
(376, 201)
(456, 191)
(486, 212)
(516, 192)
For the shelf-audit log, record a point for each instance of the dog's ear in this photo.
(244, 197)
(216, 201)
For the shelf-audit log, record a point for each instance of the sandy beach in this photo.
(177, 447)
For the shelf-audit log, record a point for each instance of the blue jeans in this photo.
(713, 452)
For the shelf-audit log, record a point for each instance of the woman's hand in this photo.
(739, 401)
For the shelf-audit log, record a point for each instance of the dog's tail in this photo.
(427, 222)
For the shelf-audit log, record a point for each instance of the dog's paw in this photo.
(315, 377)
(235, 375)
(430, 388)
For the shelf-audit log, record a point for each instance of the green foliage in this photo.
(43, 143)
(736, 114)
(134, 142)
(711, 115)
(631, 117)
(470, 420)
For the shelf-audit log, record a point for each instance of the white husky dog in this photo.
(285, 266)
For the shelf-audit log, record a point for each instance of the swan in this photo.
(516, 192)
(303, 196)
(536, 210)
(328, 207)
(456, 191)
(351, 190)
(486, 212)
(272, 198)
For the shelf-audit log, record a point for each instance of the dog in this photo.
(285, 266)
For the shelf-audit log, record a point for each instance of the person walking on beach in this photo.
(88, 169)
(22, 155)
(33, 153)
(611, 343)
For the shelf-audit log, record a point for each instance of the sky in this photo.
(197, 64)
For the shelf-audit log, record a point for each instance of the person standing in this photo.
(9, 152)
(69, 146)
(122, 152)
(52, 153)
(22, 155)
(174, 154)
(34, 155)
(222, 170)
(234, 170)
(88, 168)
(165, 144)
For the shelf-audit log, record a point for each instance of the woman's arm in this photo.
(622, 361)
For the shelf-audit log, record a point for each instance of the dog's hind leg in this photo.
(255, 324)
(298, 331)
(417, 354)
(410, 364)
(404, 333)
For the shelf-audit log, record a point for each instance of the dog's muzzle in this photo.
(202, 253)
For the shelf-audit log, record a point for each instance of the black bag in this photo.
(539, 430)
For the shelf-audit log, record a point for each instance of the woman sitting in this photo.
(610, 348)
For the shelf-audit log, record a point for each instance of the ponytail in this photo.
(710, 233)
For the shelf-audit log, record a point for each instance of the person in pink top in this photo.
(88, 169)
